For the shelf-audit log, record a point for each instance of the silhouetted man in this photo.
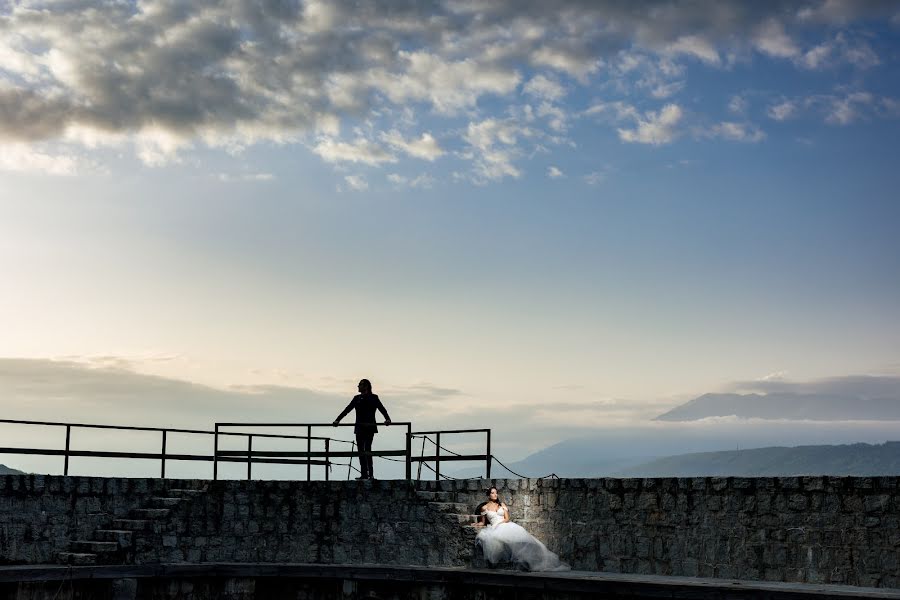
(365, 404)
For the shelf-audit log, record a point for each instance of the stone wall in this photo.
(804, 529)
(229, 521)
(843, 530)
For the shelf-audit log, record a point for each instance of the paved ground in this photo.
(588, 582)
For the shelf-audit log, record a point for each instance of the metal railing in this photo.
(251, 456)
(67, 452)
(308, 457)
(437, 458)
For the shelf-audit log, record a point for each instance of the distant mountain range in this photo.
(850, 459)
(843, 459)
(787, 405)
(4, 470)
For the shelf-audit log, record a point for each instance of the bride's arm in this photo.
(481, 519)
(505, 513)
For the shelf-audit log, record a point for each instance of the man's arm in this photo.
(383, 411)
(346, 410)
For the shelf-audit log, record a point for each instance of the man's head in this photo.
(364, 387)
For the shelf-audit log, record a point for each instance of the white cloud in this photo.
(577, 65)
(556, 117)
(423, 181)
(845, 110)
(24, 158)
(737, 105)
(356, 182)
(424, 147)
(843, 49)
(493, 147)
(360, 150)
(838, 109)
(448, 85)
(554, 173)
(655, 128)
(696, 46)
(595, 178)
(782, 111)
(664, 90)
(544, 88)
(771, 39)
(245, 177)
(737, 132)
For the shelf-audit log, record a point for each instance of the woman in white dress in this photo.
(501, 540)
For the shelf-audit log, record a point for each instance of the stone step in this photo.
(184, 493)
(160, 502)
(93, 546)
(132, 524)
(123, 537)
(77, 558)
(450, 507)
(466, 519)
(150, 513)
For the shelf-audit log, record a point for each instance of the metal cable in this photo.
(442, 475)
(553, 475)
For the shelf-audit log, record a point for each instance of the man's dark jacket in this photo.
(365, 406)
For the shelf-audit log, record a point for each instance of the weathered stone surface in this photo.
(812, 529)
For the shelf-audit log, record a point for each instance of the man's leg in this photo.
(362, 441)
(371, 436)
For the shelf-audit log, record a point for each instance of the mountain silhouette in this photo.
(851, 459)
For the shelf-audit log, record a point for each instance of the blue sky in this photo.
(612, 205)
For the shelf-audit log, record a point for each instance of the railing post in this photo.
(327, 459)
(249, 457)
(350, 462)
(308, 450)
(162, 473)
(421, 454)
(68, 439)
(408, 452)
(488, 475)
(437, 457)
(216, 453)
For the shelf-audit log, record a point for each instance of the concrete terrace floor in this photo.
(589, 583)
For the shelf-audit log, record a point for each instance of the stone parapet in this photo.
(822, 530)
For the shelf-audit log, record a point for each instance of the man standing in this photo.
(365, 404)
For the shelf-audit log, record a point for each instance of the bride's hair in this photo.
(480, 506)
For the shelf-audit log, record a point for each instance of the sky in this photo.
(539, 217)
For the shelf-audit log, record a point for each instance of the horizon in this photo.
(549, 220)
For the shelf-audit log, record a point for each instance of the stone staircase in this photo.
(115, 545)
(457, 508)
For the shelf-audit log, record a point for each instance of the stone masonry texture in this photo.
(843, 530)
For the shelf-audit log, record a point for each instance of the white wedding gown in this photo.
(503, 541)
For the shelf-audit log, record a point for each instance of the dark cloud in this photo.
(267, 69)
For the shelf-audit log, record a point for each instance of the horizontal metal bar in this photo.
(157, 429)
(451, 431)
(277, 461)
(393, 424)
(269, 435)
(255, 453)
(105, 454)
(446, 458)
(155, 456)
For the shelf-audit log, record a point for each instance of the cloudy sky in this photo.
(530, 213)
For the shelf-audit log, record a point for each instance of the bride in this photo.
(501, 540)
